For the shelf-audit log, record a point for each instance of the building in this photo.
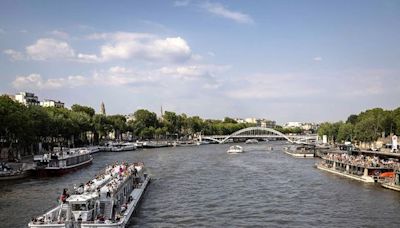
(266, 123)
(258, 122)
(251, 120)
(303, 126)
(27, 98)
(240, 120)
(292, 124)
(52, 103)
(102, 109)
(130, 117)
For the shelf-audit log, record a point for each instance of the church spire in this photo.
(162, 113)
(102, 109)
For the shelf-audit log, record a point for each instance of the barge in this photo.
(361, 168)
(303, 151)
(61, 162)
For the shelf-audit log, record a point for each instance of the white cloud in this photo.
(60, 34)
(14, 55)
(219, 10)
(122, 76)
(35, 81)
(119, 70)
(87, 58)
(48, 48)
(144, 46)
(117, 46)
(270, 86)
(317, 58)
(193, 71)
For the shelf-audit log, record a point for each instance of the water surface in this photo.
(206, 187)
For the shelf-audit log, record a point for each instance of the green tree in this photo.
(79, 108)
(365, 130)
(345, 132)
(118, 124)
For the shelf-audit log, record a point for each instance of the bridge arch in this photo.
(250, 129)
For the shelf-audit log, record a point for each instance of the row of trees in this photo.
(22, 127)
(367, 126)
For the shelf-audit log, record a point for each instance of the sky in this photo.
(308, 61)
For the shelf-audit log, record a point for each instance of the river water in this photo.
(205, 187)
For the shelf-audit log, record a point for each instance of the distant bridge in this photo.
(259, 133)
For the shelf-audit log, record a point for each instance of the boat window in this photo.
(79, 207)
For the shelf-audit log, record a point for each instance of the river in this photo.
(205, 187)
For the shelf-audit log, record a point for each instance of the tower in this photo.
(102, 109)
(161, 114)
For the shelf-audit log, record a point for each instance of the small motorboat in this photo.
(235, 149)
(251, 141)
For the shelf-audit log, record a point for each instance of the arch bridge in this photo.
(259, 133)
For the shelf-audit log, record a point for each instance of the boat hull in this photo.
(363, 178)
(300, 155)
(61, 171)
(14, 177)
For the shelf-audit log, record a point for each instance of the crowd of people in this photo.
(363, 161)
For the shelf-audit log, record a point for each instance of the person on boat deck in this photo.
(64, 196)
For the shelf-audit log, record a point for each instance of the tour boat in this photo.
(235, 149)
(94, 149)
(304, 151)
(362, 168)
(62, 162)
(251, 141)
(118, 147)
(107, 201)
(152, 144)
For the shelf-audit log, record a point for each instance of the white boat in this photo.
(57, 163)
(118, 147)
(94, 149)
(235, 149)
(305, 151)
(108, 200)
(251, 141)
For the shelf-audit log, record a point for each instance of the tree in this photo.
(345, 132)
(229, 120)
(118, 124)
(329, 129)
(352, 119)
(365, 130)
(144, 119)
(101, 126)
(79, 108)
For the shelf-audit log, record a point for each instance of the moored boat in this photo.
(106, 201)
(303, 151)
(62, 162)
(251, 141)
(235, 149)
(9, 173)
(362, 168)
(118, 147)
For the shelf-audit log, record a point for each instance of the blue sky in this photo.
(282, 60)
